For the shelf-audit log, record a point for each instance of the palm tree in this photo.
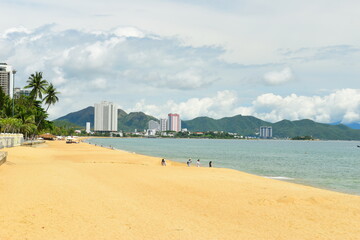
(50, 98)
(38, 85)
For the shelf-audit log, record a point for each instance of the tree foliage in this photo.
(29, 115)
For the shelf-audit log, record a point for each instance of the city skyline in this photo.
(274, 61)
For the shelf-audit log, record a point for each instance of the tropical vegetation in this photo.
(26, 114)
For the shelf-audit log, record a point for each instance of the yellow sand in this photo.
(78, 191)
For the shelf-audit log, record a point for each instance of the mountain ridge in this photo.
(244, 125)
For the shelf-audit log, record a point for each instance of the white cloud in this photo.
(342, 105)
(278, 77)
(222, 104)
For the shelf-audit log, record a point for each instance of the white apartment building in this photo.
(163, 124)
(7, 74)
(105, 117)
(18, 92)
(153, 125)
(174, 122)
(87, 129)
(265, 132)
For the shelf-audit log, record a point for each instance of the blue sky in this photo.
(271, 59)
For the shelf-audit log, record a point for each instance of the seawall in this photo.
(3, 156)
(10, 140)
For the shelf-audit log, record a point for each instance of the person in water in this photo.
(198, 163)
(210, 164)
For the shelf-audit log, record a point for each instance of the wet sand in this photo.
(80, 191)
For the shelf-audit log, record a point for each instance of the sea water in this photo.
(333, 165)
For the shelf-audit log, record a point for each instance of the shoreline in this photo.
(82, 191)
(277, 178)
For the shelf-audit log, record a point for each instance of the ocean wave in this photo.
(280, 178)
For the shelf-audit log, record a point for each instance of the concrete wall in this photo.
(3, 156)
(10, 140)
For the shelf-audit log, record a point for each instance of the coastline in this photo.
(301, 179)
(82, 191)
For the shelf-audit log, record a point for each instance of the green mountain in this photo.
(308, 127)
(126, 122)
(249, 126)
(134, 120)
(244, 125)
(79, 118)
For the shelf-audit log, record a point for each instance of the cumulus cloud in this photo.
(222, 104)
(278, 77)
(121, 54)
(342, 105)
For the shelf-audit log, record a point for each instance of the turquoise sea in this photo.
(333, 165)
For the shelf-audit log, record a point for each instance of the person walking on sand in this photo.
(210, 164)
(163, 162)
(198, 163)
(188, 162)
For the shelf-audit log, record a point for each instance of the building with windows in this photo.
(265, 132)
(105, 117)
(7, 74)
(163, 124)
(174, 122)
(87, 129)
(153, 125)
(18, 92)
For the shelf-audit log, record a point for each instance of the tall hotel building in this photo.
(174, 122)
(265, 132)
(163, 124)
(105, 118)
(7, 79)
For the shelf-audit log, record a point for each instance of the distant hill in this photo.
(126, 122)
(244, 125)
(353, 125)
(249, 126)
(134, 120)
(79, 118)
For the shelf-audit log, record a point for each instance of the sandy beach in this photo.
(80, 191)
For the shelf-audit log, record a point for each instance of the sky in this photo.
(273, 60)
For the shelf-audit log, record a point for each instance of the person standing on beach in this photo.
(188, 162)
(163, 162)
(210, 164)
(198, 163)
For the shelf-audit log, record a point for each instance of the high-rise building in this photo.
(87, 130)
(265, 132)
(7, 79)
(18, 92)
(163, 124)
(154, 125)
(174, 122)
(105, 117)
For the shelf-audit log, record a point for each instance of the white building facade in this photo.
(265, 132)
(7, 74)
(105, 117)
(174, 122)
(88, 127)
(163, 124)
(154, 125)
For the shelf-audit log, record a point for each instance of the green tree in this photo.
(51, 96)
(37, 85)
